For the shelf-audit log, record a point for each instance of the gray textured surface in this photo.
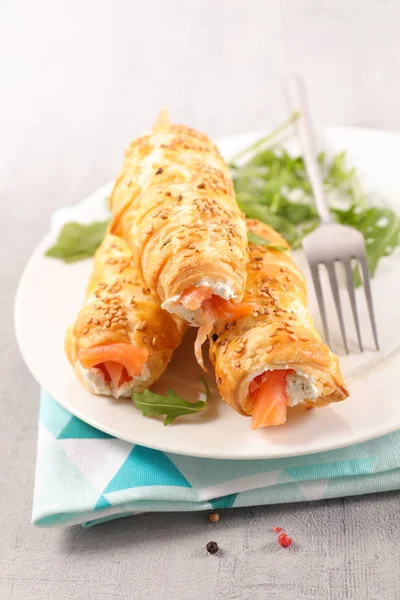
(77, 80)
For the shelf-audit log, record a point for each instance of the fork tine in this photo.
(368, 295)
(352, 296)
(318, 292)
(335, 291)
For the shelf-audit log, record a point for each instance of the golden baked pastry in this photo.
(274, 358)
(121, 340)
(175, 206)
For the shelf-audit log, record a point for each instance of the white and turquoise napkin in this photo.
(86, 476)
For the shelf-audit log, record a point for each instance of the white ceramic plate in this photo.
(50, 294)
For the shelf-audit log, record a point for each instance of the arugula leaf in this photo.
(257, 240)
(171, 405)
(77, 242)
(380, 228)
(273, 186)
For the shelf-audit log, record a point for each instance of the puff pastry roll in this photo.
(175, 205)
(275, 358)
(121, 340)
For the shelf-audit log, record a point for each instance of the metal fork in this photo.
(330, 242)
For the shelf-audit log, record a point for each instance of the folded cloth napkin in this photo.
(86, 476)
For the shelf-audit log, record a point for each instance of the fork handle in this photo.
(296, 96)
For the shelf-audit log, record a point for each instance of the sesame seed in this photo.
(159, 171)
(107, 323)
(146, 339)
(293, 337)
(88, 320)
(154, 341)
(269, 348)
(238, 350)
(163, 217)
(304, 338)
(180, 197)
(86, 330)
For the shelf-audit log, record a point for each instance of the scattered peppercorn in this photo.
(213, 517)
(214, 337)
(212, 547)
(284, 540)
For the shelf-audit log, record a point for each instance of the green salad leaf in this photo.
(171, 406)
(271, 185)
(77, 242)
(257, 240)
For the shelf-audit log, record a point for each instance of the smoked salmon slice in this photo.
(120, 361)
(193, 298)
(270, 404)
(213, 306)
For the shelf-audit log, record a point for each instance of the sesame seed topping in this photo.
(154, 341)
(304, 338)
(140, 326)
(86, 330)
(269, 348)
(124, 332)
(107, 323)
(167, 193)
(293, 337)
(159, 171)
(146, 339)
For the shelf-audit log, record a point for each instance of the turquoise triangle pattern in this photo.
(146, 467)
(77, 429)
(224, 502)
(53, 416)
(102, 502)
(358, 466)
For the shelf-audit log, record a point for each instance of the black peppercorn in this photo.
(214, 337)
(212, 547)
